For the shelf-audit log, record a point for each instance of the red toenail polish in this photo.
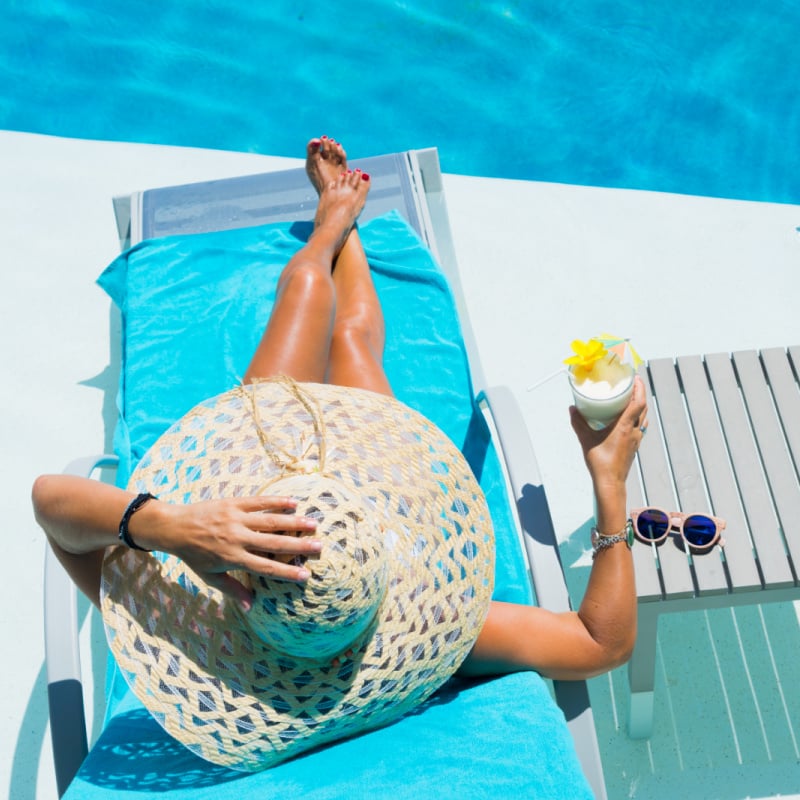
(364, 176)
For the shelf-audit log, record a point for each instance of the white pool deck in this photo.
(541, 264)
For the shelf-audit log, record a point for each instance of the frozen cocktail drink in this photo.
(602, 392)
(601, 373)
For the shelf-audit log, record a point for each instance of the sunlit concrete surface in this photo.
(541, 264)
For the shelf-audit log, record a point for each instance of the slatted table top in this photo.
(723, 438)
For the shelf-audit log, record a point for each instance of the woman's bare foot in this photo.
(325, 161)
(341, 200)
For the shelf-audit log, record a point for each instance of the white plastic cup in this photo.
(598, 411)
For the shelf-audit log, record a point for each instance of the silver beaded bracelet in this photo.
(601, 541)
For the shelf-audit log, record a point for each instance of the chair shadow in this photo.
(33, 728)
(136, 754)
(22, 781)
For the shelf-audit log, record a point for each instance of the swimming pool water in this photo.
(689, 97)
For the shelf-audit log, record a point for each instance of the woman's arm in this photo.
(601, 634)
(81, 518)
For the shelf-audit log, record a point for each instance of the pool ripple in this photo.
(675, 97)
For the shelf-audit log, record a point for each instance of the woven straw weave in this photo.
(394, 604)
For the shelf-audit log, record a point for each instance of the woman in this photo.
(327, 327)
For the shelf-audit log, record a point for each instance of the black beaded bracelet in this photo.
(133, 507)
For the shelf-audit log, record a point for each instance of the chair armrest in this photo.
(536, 524)
(544, 563)
(62, 653)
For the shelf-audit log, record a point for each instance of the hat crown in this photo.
(327, 614)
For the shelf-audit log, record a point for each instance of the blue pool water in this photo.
(682, 96)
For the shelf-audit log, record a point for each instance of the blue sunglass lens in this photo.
(699, 530)
(653, 524)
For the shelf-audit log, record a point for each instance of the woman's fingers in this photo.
(637, 408)
(275, 570)
(284, 543)
(264, 502)
(273, 515)
(637, 404)
(270, 523)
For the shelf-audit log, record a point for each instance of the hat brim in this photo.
(186, 650)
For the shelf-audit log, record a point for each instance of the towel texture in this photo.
(193, 309)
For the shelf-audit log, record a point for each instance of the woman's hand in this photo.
(257, 534)
(609, 452)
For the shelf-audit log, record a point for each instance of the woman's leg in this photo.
(297, 339)
(356, 347)
(356, 355)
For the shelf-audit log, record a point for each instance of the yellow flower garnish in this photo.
(587, 354)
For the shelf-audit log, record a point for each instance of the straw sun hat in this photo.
(394, 603)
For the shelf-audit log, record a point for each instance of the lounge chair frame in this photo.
(413, 182)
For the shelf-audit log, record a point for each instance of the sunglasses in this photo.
(700, 531)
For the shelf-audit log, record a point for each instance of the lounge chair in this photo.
(490, 738)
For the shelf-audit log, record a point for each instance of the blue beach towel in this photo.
(194, 308)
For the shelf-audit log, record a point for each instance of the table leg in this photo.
(642, 672)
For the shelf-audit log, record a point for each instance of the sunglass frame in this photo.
(681, 516)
